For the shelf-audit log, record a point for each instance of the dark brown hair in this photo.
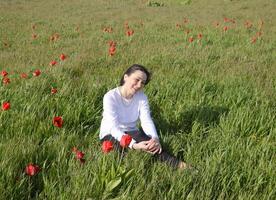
(134, 68)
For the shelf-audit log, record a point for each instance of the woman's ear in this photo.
(125, 77)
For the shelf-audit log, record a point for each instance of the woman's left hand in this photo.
(154, 146)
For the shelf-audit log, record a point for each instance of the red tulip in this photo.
(191, 39)
(34, 36)
(253, 39)
(225, 19)
(6, 80)
(53, 90)
(62, 57)
(185, 21)
(112, 50)
(6, 44)
(24, 75)
(258, 34)
(79, 155)
(225, 28)
(248, 24)
(4, 73)
(199, 36)
(129, 32)
(57, 121)
(112, 43)
(54, 37)
(53, 63)
(107, 146)
(6, 106)
(32, 169)
(37, 72)
(125, 140)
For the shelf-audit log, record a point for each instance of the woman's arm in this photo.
(146, 120)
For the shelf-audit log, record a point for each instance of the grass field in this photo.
(212, 96)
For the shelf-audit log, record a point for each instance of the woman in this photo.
(123, 106)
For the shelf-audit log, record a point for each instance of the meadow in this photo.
(212, 97)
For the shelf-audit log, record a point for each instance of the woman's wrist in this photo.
(134, 146)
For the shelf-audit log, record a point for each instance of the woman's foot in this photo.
(184, 166)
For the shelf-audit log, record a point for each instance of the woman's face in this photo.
(135, 81)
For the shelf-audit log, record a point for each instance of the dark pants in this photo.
(140, 136)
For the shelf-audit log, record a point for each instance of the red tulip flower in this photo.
(53, 63)
(112, 50)
(57, 121)
(32, 169)
(34, 36)
(129, 32)
(185, 21)
(225, 28)
(248, 24)
(4, 73)
(23, 75)
(37, 72)
(79, 155)
(125, 140)
(107, 146)
(191, 39)
(199, 36)
(258, 34)
(54, 37)
(112, 43)
(6, 106)
(6, 80)
(53, 91)
(62, 57)
(253, 39)
(225, 19)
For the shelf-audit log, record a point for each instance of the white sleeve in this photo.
(146, 120)
(110, 114)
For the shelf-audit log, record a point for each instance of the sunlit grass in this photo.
(212, 100)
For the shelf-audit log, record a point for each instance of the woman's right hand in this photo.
(151, 146)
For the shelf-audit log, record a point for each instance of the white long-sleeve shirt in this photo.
(121, 115)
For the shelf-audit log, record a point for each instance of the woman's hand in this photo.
(154, 146)
(151, 146)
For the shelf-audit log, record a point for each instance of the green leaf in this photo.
(113, 184)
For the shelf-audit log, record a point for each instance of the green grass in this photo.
(213, 101)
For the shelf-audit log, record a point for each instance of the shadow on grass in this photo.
(206, 115)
